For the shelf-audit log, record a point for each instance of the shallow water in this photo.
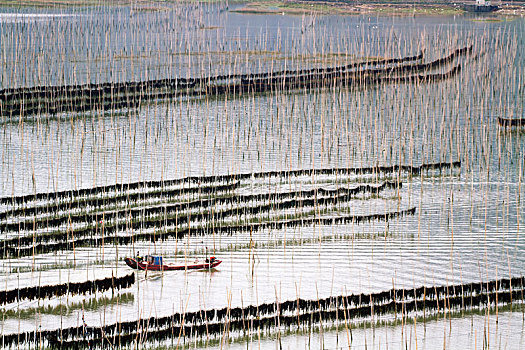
(468, 224)
(468, 332)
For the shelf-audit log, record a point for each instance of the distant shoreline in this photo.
(77, 3)
(296, 7)
(346, 8)
(391, 8)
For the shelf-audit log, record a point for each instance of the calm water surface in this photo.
(468, 224)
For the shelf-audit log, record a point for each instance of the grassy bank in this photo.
(148, 4)
(324, 8)
(287, 7)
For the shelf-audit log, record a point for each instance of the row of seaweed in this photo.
(170, 214)
(67, 205)
(158, 222)
(228, 213)
(109, 103)
(136, 93)
(13, 250)
(105, 214)
(273, 323)
(312, 82)
(511, 122)
(420, 78)
(25, 92)
(290, 313)
(136, 88)
(50, 291)
(92, 303)
(369, 75)
(106, 195)
(228, 178)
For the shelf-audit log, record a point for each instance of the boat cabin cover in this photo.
(153, 259)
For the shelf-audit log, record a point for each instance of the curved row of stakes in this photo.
(23, 102)
(291, 313)
(42, 292)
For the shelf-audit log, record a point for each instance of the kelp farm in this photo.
(360, 177)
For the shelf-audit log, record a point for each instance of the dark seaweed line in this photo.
(355, 301)
(300, 311)
(56, 101)
(108, 103)
(29, 101)
(360, 75)
(178, 219)
(128, 198)
(17, 251)
(125, 87)
(295, 83)
(41, 292)
(67, 201)
(174, 214)
(422, 78)
(160, 223)
(288, 321)
(411, 170)
(88, 105)
(104, 101)
(414, 170)
(429, 294)
(507, 122)
(318, 71)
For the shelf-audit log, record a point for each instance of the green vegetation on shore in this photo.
(281, 7)
(263, 7)
(151, 5)
(314, 7)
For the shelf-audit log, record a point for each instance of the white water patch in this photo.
(32, 17)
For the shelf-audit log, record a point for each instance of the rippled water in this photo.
(467, 332)
(468, 224)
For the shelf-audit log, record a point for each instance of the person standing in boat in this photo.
(211, 259)
(139, 258)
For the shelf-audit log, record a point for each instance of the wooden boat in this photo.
(155, 263)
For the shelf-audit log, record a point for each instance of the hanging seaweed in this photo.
(46, 292)
(110, 96)
(284, 314)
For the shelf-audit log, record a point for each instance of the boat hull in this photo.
(143, 266)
